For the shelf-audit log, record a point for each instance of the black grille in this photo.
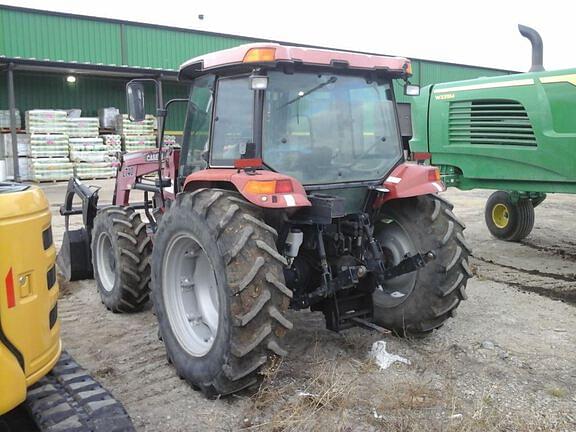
(53, 315)
(51, 277)
(490, 121)
(47, 237)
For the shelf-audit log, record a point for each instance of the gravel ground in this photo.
(507, 361)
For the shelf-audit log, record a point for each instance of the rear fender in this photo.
(238, 180)
(409, 180)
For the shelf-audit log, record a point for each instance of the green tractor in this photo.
(290, 191)
(514, 133)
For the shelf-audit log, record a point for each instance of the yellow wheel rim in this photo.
(500, 216)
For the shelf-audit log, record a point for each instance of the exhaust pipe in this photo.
(537, 48)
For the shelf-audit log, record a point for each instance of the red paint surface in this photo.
(414, 181)
(247, 163)
(421, 156)
(139, 163)
(289, 54)
(210, 177)
(10, 289)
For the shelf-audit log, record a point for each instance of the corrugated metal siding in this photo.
(168, 49)
(432, 73)
(51, 91)
(31, 35)
(177, 111)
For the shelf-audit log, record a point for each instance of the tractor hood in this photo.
(247, 57)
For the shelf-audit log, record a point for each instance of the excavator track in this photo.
(68, 399)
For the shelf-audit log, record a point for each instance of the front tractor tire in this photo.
(219, 291)
(416, 303)
(507, 219)
(121, 252)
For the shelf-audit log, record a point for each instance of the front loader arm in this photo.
(89, 197)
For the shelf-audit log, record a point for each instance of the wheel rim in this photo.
(396, 244)
(105, 261)
(500, 216)
(190, 294)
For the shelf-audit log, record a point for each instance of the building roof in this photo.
(53, 39)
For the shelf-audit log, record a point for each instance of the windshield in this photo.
(323, 128)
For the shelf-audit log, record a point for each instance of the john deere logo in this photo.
(445, 96)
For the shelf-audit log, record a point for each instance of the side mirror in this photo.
(411, 90)
(135, 101)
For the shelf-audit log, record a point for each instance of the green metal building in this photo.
(39, 49)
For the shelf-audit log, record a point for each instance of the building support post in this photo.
(12, 108)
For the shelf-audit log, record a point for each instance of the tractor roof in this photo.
(246, 57)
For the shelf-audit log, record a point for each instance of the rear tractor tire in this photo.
(416, 303)
(121, 252)
(508, 220)
(219, 291)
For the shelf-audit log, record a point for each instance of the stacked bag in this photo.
(5, 119)
(88, 153)
(46, 122)
(23, 155)
(136, 135)
(48, 148)
(113, 143)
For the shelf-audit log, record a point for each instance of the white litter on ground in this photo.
(306, 394)
(382, 357)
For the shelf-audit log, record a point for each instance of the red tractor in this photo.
(290, 191)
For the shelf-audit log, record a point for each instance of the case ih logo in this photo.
(153, 157)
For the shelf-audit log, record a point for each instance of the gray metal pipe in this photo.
(12, 108)
(537, 47)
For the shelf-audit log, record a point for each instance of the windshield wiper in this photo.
(331, 80)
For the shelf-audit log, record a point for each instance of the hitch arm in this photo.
(376, 264)
(409, 264)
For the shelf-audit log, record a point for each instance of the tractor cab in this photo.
(321, 117)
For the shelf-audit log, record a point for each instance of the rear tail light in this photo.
(284, 186)
(421, 156)
(260, 187)
(247, 163)
(268, 187)
(434, 175)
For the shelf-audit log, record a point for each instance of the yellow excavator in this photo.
(59, 394)
(29, 327)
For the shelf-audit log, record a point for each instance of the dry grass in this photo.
(349, 395)
(327, 394)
